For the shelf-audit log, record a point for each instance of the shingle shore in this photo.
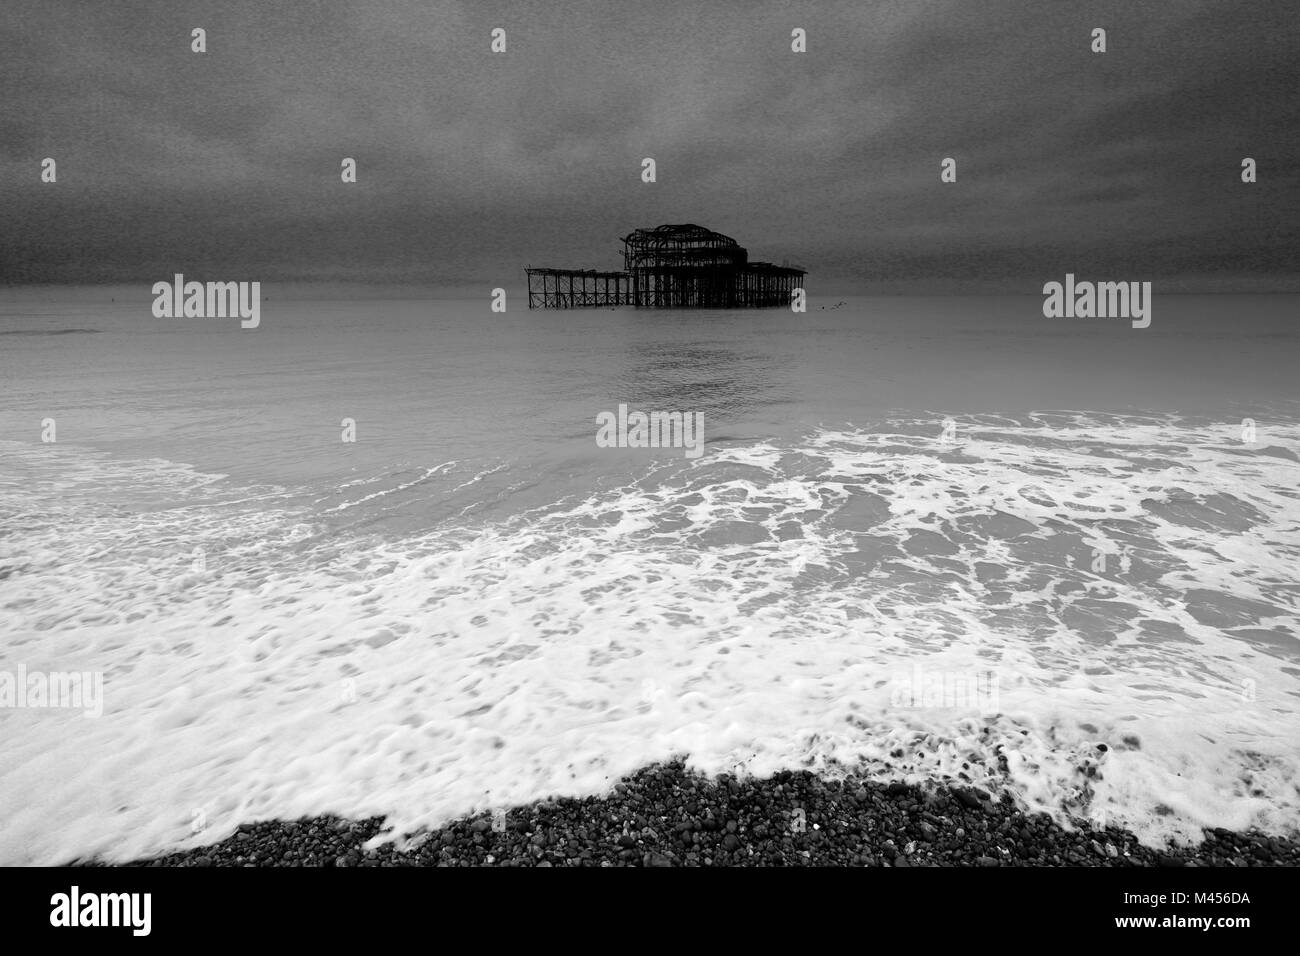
(664, 815)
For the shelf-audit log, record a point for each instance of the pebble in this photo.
(685, 819)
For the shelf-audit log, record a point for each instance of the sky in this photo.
(225, 165)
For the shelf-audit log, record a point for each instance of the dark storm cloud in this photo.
(471, 164)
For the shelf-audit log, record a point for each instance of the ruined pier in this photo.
(671, 267)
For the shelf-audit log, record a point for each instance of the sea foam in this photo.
(767, 606)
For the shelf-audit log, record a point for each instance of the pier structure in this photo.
(577, 288)
(671, 267)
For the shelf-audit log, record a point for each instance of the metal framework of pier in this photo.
(671, 267)
(577, 288)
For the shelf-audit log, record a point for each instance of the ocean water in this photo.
(930, 539)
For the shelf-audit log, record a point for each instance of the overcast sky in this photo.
(225, 165)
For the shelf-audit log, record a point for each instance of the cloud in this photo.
(472, 163)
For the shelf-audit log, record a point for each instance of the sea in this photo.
(369, 558)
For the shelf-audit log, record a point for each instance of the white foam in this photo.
(484, 666)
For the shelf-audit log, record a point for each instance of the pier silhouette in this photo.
(670, 267)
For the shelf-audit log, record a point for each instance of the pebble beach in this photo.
(666, 815)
